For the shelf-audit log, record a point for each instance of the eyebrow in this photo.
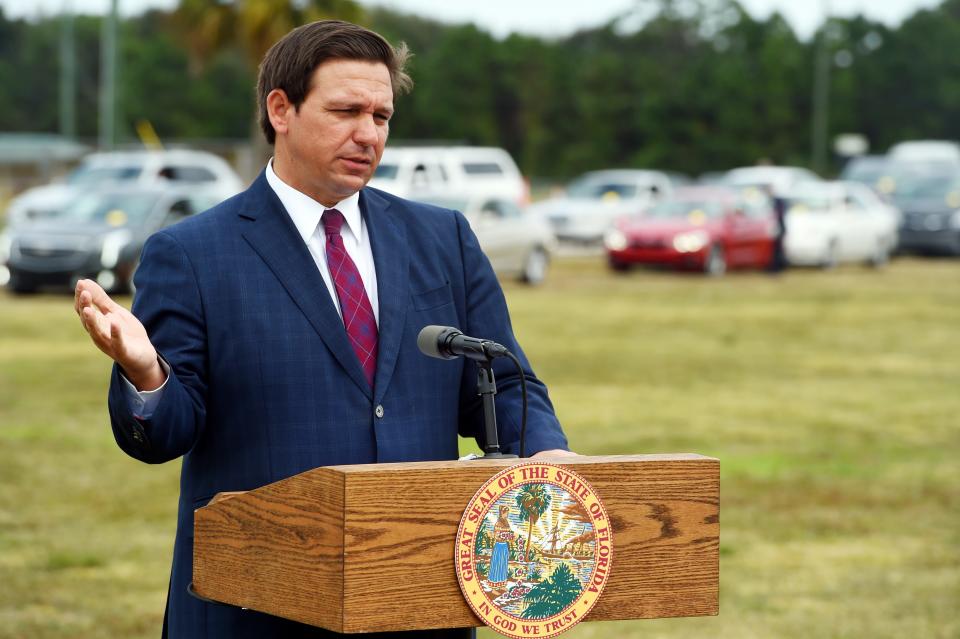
(347, 103)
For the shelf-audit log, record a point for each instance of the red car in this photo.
(709, 229)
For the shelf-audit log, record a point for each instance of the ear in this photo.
(279, 110)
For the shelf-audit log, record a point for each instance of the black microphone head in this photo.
(431, 339)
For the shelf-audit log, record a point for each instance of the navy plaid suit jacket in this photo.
(264, 383)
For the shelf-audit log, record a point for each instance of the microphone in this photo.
(446, 342)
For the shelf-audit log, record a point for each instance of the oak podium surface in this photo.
(371, 547)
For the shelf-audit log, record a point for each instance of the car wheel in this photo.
(715, 264)
(829, 260)
(618, 266)
(19, 287)
(535, 267)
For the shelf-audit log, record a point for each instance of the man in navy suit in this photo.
(277, 332)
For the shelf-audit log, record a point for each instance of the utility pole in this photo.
(821, 94)
(68, 74)
(108, 77)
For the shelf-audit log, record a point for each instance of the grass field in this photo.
(831, 398)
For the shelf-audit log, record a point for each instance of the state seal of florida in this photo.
(534, 550)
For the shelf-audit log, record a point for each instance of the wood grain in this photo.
(364, 548)
(277, 549)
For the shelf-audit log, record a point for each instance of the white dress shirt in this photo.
(306, 214)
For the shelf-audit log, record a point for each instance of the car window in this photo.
(502, 209)
(482, 168)
(457, 204)
(186, 173)
(694, 209)
(182, 208)
(817, 202)
(112, 209)
(425, 175)
(492, 208)
(597, 190)
(386, 171)
(509, 209)
(92, 175)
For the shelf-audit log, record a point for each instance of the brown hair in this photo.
(291, 61)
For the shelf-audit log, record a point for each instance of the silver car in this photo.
(595, 200)
(517, 244)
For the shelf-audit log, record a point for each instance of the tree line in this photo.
(700, 86)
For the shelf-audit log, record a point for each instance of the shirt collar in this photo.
(306, 212)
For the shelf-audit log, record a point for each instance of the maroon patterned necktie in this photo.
(357, 312)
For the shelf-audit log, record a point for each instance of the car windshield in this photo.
(814, 201)
(111, 209)
(866, 171)
(593, 189)
(686, 208)
(927, 186)
(93, 175)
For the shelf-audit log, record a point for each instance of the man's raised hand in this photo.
(119, 334)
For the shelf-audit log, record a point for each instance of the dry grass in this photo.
(830, 398)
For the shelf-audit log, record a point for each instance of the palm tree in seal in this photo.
(532, 500)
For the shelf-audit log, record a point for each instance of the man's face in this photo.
(330, 147)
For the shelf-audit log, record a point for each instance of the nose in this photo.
(366, 131)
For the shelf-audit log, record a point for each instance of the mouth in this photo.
(357, 162)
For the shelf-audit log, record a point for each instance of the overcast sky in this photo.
(541, 17)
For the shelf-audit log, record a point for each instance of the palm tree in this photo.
(208, 27)
(532, 500)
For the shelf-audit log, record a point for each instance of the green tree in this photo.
(550, 597)
(532, 500)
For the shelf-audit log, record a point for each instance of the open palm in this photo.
(118, 333)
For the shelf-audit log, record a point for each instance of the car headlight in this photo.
(690, 242)
(615, 240)
(113, 243)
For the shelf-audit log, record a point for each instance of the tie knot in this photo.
(332, 221)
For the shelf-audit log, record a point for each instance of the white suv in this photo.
(142, 168)
(460, 170)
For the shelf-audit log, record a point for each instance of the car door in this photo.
(428, 176)
(756, 229)
(857, 231)
(879, 220)
(496, 223)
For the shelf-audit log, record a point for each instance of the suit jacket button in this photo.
(378, 411)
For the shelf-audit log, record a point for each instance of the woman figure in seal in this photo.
(499, 560)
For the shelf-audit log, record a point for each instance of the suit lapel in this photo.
(275, 239)
(388, 240)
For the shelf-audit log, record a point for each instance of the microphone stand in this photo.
(487, 388)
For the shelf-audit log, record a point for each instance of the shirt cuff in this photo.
(144, 403)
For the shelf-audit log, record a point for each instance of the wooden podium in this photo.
(371, 547)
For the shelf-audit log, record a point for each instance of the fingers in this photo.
(94, 294)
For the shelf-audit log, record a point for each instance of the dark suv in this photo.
(931, 214)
